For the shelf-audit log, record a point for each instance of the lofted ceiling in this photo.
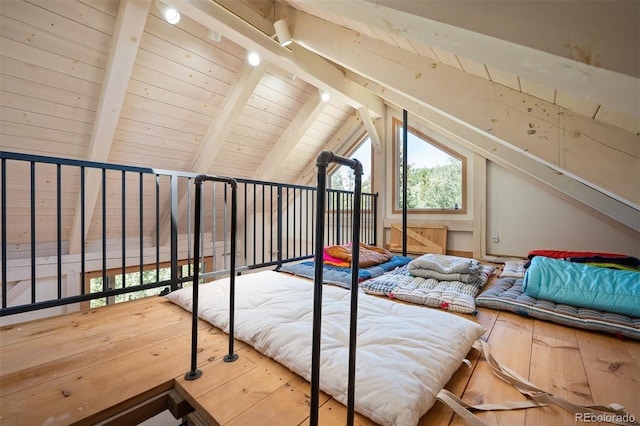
(539, 87)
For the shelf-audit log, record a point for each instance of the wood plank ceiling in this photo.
(112, 81)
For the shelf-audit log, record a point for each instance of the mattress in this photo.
(455, 296)
(405, 356)
(507, 294)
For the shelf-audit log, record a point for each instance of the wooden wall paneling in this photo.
(154, 70)
(272, 130)
(175, 121)
(225, 59)
(29, 139)
(170, 97)
(270, 122)
(56, 27)
(52, 86)
(50, 60)
(218, 133)
(290, 137)
(46, 122)
(50, 109)
(162, 109)
(92, 14)
(152, 43)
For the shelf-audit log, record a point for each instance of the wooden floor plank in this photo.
(510, 342)
(246, 390)
(557, 368)
(612, 368)
(146, 318)
(93, 366)
(106, 382)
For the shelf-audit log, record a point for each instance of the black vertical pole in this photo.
(355, 259)
(405, 135)
(194, 373)
(231, 356)
(322, 163)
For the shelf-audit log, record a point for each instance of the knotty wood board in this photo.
(110, 358)
(420, 239)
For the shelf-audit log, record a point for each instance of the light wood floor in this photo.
(86, 367)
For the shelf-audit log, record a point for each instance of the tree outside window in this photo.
(436, 175)
(344, 178)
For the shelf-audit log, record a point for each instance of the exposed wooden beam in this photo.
(298, 126)
(257, 36)
(599, 204)
(369, 126)
(132, 16)
(590, 50)
(220, 128)
(528, 129)
(339, 140)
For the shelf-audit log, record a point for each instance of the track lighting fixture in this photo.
(282, 32)
(170, 14)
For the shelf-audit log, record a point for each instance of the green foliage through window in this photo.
(344, 178)
(131, 280)
(434, 174)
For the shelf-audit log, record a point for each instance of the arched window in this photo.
(436, 175)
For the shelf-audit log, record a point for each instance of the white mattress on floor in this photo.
(405, 356)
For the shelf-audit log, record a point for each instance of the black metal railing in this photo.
(64, 220)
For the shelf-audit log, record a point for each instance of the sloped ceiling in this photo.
(545, 91)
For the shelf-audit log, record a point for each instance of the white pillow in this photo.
(513, 269)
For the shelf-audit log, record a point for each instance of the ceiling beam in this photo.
(370, 127)
(517, 161)
(234, 103)
(591, 51)
(338, 141)
(258, 37)
(494, 112)
(291, 136)
(132, 16)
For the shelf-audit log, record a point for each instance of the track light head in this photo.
(282, 32)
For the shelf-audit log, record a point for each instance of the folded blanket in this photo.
(580, 285)
(444, 264)
(368, 255)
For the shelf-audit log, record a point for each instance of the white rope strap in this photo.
(613, 413)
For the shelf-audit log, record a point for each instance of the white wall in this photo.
(526, 217)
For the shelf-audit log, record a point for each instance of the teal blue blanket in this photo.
(585, 286)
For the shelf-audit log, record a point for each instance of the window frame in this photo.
(397, 126)
(352, 149)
